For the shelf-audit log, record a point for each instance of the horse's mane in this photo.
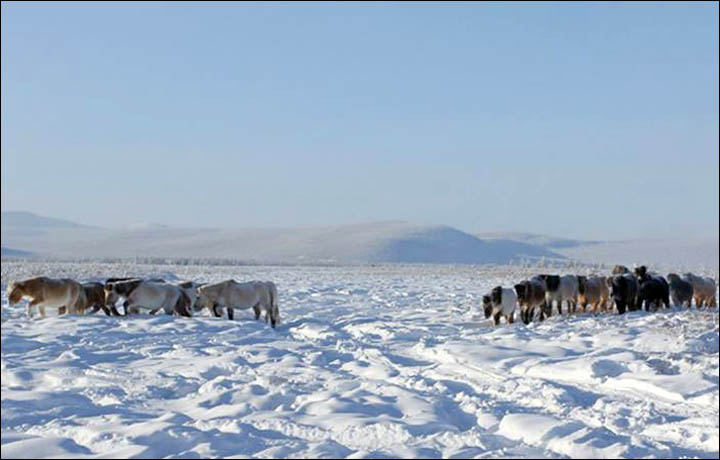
(496, 294)
(125, 287)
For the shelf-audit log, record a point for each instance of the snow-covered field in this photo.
(368, 362)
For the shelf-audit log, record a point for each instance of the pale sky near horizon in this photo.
(594, 121)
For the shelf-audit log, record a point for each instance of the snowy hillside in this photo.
(23, 219)
(665, 252)
(361, 243)
(391, 360)
(535, 239)
(10, 252)
(690, 252)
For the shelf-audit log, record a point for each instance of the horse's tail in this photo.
(273, 302)
(82, 302)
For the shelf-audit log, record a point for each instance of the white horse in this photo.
(258, 295)
(500, 302)
(149, 295)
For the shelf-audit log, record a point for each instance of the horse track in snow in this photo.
(367, 362)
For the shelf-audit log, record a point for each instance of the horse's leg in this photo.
(231, 313)
(256, 309)
(62, 310)
(548, 310)
(214, 311)
(41, 309)
(496, 319)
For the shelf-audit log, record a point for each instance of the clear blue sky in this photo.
(582, 120)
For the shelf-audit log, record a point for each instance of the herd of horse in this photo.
(625, 290)
(152, 295)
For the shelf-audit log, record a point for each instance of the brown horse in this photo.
(95, 295)
(64, 294)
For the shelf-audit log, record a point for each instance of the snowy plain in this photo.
(368, 361)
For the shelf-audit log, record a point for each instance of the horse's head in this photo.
(111, 294)
(202, 301)
(487, 306)
(15, 292)
(582, 284)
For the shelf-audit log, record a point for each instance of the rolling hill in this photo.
(376, 242)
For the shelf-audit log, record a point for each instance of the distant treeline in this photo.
(541, 262)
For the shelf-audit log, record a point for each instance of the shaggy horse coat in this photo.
(623, 290)
(593, 291)
(620, 270)
(531, 295)
(258, 295)
(681, 290)
(703, 290)
(149, 295)
(64, 294)
(653, 292)
(500, 302)
(561, 289)
(95, 295)
(653, 289)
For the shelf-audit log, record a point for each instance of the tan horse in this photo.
(593, 291)
(63, 294)
(258, 295)
(703, 290)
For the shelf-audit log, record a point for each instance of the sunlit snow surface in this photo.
(367, 362)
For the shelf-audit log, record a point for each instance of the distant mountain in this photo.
(392, 241)
(544, 241)
(147, 226)
(28, 219)
(14, 253)
(690, 253)
(363, 243)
